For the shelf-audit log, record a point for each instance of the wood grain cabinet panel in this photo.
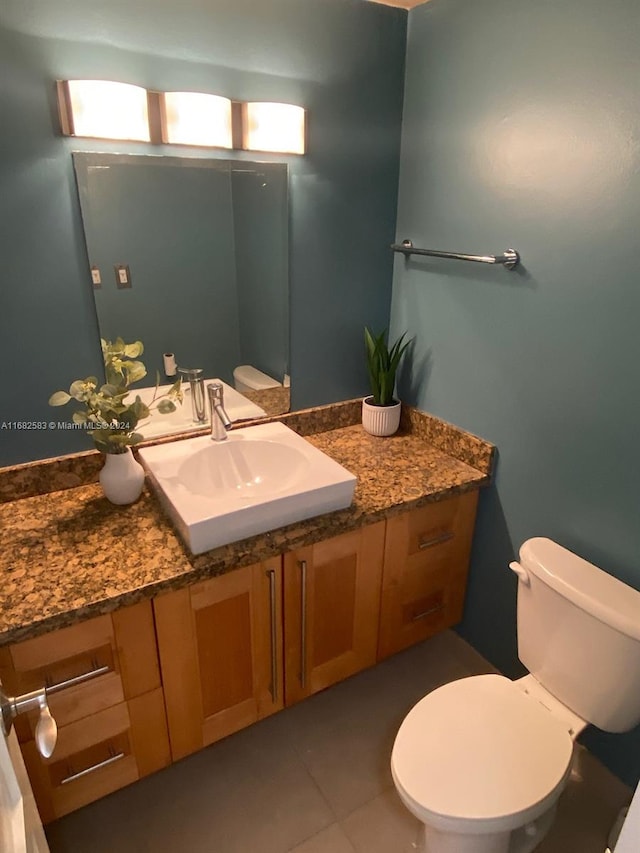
(97, 755)
(105, 693)
(331, 607)
(426, 560)
(86, 667)
(220, 644)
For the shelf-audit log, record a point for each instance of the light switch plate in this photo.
(123, 276)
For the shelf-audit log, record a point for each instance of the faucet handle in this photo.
(216, 392)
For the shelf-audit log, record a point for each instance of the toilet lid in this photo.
(480, 749)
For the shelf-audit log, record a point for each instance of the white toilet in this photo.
(482, 761)
(249, 378)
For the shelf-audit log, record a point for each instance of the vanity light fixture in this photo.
(109, 110)
(274, 127)
(196, 118)
(103, 108)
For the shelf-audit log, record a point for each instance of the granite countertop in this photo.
(70, 554)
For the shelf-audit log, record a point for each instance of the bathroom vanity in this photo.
(154, 653)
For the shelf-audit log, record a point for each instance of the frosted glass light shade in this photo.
(274, 127)
(109, 110)
(195, 118)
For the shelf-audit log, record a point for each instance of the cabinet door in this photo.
(332, 606)
(426, 560)
(220, 645)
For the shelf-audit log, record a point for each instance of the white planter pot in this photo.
(380, 420)
(122, 478)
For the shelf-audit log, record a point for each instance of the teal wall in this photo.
(521, 126)
(341, 59)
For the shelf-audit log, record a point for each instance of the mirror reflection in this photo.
(190, 256)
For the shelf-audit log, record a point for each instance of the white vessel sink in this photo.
(258, 479)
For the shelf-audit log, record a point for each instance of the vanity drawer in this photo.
(430, 533)
(99, 754)
(425, 571)
(87, 667)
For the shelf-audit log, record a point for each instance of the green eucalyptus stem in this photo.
(107, 416)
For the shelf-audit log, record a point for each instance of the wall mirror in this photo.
(190, 256)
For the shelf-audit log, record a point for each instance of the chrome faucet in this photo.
(220, 422)
(196, 380)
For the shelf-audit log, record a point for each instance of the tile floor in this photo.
(315, 779)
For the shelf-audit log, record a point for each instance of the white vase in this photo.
(122, 477)
(380, 420)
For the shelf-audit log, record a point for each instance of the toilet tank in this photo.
(579, 634)
(249, 378)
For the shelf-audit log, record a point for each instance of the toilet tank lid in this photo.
(254, 378)
(588, 587)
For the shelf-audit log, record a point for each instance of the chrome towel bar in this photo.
(508, 259)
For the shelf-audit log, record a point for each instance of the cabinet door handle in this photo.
(435, 540)
(303, 623)
(78, 679)
(427, 612)
(111, 760)
(274, 661)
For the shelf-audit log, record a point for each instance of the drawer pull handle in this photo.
(435, 540)
(78, 679)
(427, 612)
(303, 623)
(111, 760)
(274, 661)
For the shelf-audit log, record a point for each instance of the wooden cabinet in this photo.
(220, 644)
(233, 649)
(223, 658)
(331, 610)
(426, 560)
(238, 647)
(106, 696)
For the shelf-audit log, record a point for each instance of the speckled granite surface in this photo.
(47, 475)
(275, 401)
(449, 439)
(71, 554)
(322, 418)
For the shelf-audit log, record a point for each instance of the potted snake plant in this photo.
(381, 411)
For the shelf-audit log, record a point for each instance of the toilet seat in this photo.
(478, 755)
